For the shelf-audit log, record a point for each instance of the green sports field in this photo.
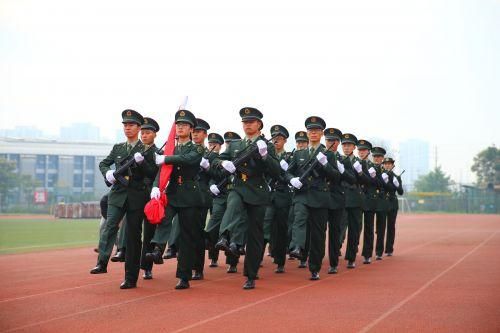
(39, 234)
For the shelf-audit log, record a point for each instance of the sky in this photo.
(396, 70)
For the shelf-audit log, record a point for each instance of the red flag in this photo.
(155, 208)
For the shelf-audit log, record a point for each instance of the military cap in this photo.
(150, 124)
(231, 136)
(250, 114)
(349, 138)
(389, 160)
(201, 125)
(279, 130)
(215, 138)
(301, 136)
(315, 122)
(378, 151)
(332, 134)
(185, 116)
(363, 144)
(132, 116)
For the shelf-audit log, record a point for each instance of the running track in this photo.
(444, 277)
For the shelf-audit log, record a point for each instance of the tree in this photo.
(434, 181)
(487, 166)
(8, 180)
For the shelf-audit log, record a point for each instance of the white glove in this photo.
(138, 158)
(322, 158)
(214, 189)
(284, 165)
(357, 166)
(262, 147)
(395, 182)
(385, 177)
(372, 172)
(228, 166)
(205, 164)
(155, 193)
(295, 182)
(109, 176)
(341, 167)
(159, 159)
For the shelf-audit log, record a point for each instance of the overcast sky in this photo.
(397, 69)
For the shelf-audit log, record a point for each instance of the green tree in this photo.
(8, 180)
(486, 166)
(434, 181)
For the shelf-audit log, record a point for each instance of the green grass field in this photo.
(34, 235)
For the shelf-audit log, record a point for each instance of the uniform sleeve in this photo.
(149, 166)
(190, 158)
(330, 168)
(107, 162)
(272, 164)
(400, 188)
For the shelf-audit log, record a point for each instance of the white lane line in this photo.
(425, 286)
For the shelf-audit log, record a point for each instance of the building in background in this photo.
(25, 132)
(66, 171)
(414, 157)
(80, 132)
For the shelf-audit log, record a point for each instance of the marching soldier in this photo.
(281, 199)
(311, 198)
(395, 185)
(378, 154)
(126, 200)
(336, 209)
(250, 194)
(301, 140)
(370, 200)
(184, 197)
(354, 197)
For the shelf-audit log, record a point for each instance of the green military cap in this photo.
(301, 136)
(250, 114)
(185, 116)
(389, 160)
(363, 144)
(378, 151)
(279, 130)
(201, 125)
(231, 136)
(332, 134)
(349, 138)
(215, 138)
(315, 122)
(150, 124)
(132, 116)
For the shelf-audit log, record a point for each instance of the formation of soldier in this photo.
(259, 196)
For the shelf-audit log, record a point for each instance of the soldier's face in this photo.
(131, 130)
(251, 127)
(348, 148)
(182, 130)
(216, 145)
(334, 143)
(199, 136)
(378, 159)
(148, 136)
(363, 153)
(388, 166)
(301, 145)
(314, 134)
(279, 142)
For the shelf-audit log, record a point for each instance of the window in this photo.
(52, 180)
(78, 162)
(89, 181)
(40, 161)
(89, 162)
(40, 178)
(77, 180)
(53, 162)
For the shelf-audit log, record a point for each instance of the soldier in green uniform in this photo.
(126, 200)
(281, 199)
(219, 203)
(395, 185)
(184, 197)
(336, 209)
(250, 193)
(311, 196)
(370, 199)
(353, 196)
(301, 140)
(378, 154)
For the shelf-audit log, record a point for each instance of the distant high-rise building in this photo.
(414, 157)
(22, 132)
(80, 132)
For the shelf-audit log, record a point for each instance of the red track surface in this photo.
(444, 277)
